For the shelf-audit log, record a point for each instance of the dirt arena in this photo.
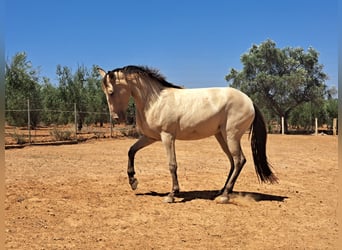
(78, 197)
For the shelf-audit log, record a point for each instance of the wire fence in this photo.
(53, 126)
(60, 126)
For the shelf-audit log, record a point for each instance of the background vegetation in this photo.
(287, 82)
(54, 104)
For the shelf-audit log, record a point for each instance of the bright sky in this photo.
(193, 43)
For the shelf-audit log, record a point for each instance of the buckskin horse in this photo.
(166, 112)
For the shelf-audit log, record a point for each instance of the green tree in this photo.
(22, 84)
(130, 112)
(72, 92)
(64, 76)
(280, 79)
(96, 100)
(303, 116)
(83, 88)
(51, 103)
(331, 105)
(79, 94)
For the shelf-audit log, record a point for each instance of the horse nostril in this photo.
(114, 115)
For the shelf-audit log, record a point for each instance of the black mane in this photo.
(149, 72)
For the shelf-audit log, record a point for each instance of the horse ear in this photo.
(101, 71)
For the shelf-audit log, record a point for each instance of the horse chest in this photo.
(147, 128)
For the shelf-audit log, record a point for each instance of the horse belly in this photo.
(195, 130)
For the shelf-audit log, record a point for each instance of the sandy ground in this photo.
(78, 197)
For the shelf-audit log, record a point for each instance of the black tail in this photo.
(258, 143)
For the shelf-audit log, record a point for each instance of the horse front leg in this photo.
(141, 143)
(169, 143)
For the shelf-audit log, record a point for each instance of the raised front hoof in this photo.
(169, 199)
(134, 183)
(222, 199)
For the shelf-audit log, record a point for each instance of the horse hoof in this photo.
(176, 191)
(222, 199)
(169, 199)
(134, 184)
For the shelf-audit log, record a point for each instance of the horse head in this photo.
(117, 93)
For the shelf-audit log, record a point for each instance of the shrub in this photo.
(61, 135)
(19, 138)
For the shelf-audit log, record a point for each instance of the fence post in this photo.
(282, 125)
(28, 120)
(75, 113)
(111, 125)
(334, 126)
(316, 126)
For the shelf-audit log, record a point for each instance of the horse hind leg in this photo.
(223, 143)
(237, 160)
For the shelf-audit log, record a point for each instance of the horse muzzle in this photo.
(119, 116)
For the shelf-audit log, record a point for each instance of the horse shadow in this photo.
(187, 196)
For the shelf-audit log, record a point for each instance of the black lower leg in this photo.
(225, 184)
(235, 175)
(175, 185)
(130, 169)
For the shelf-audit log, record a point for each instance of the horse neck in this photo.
(145, 92)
